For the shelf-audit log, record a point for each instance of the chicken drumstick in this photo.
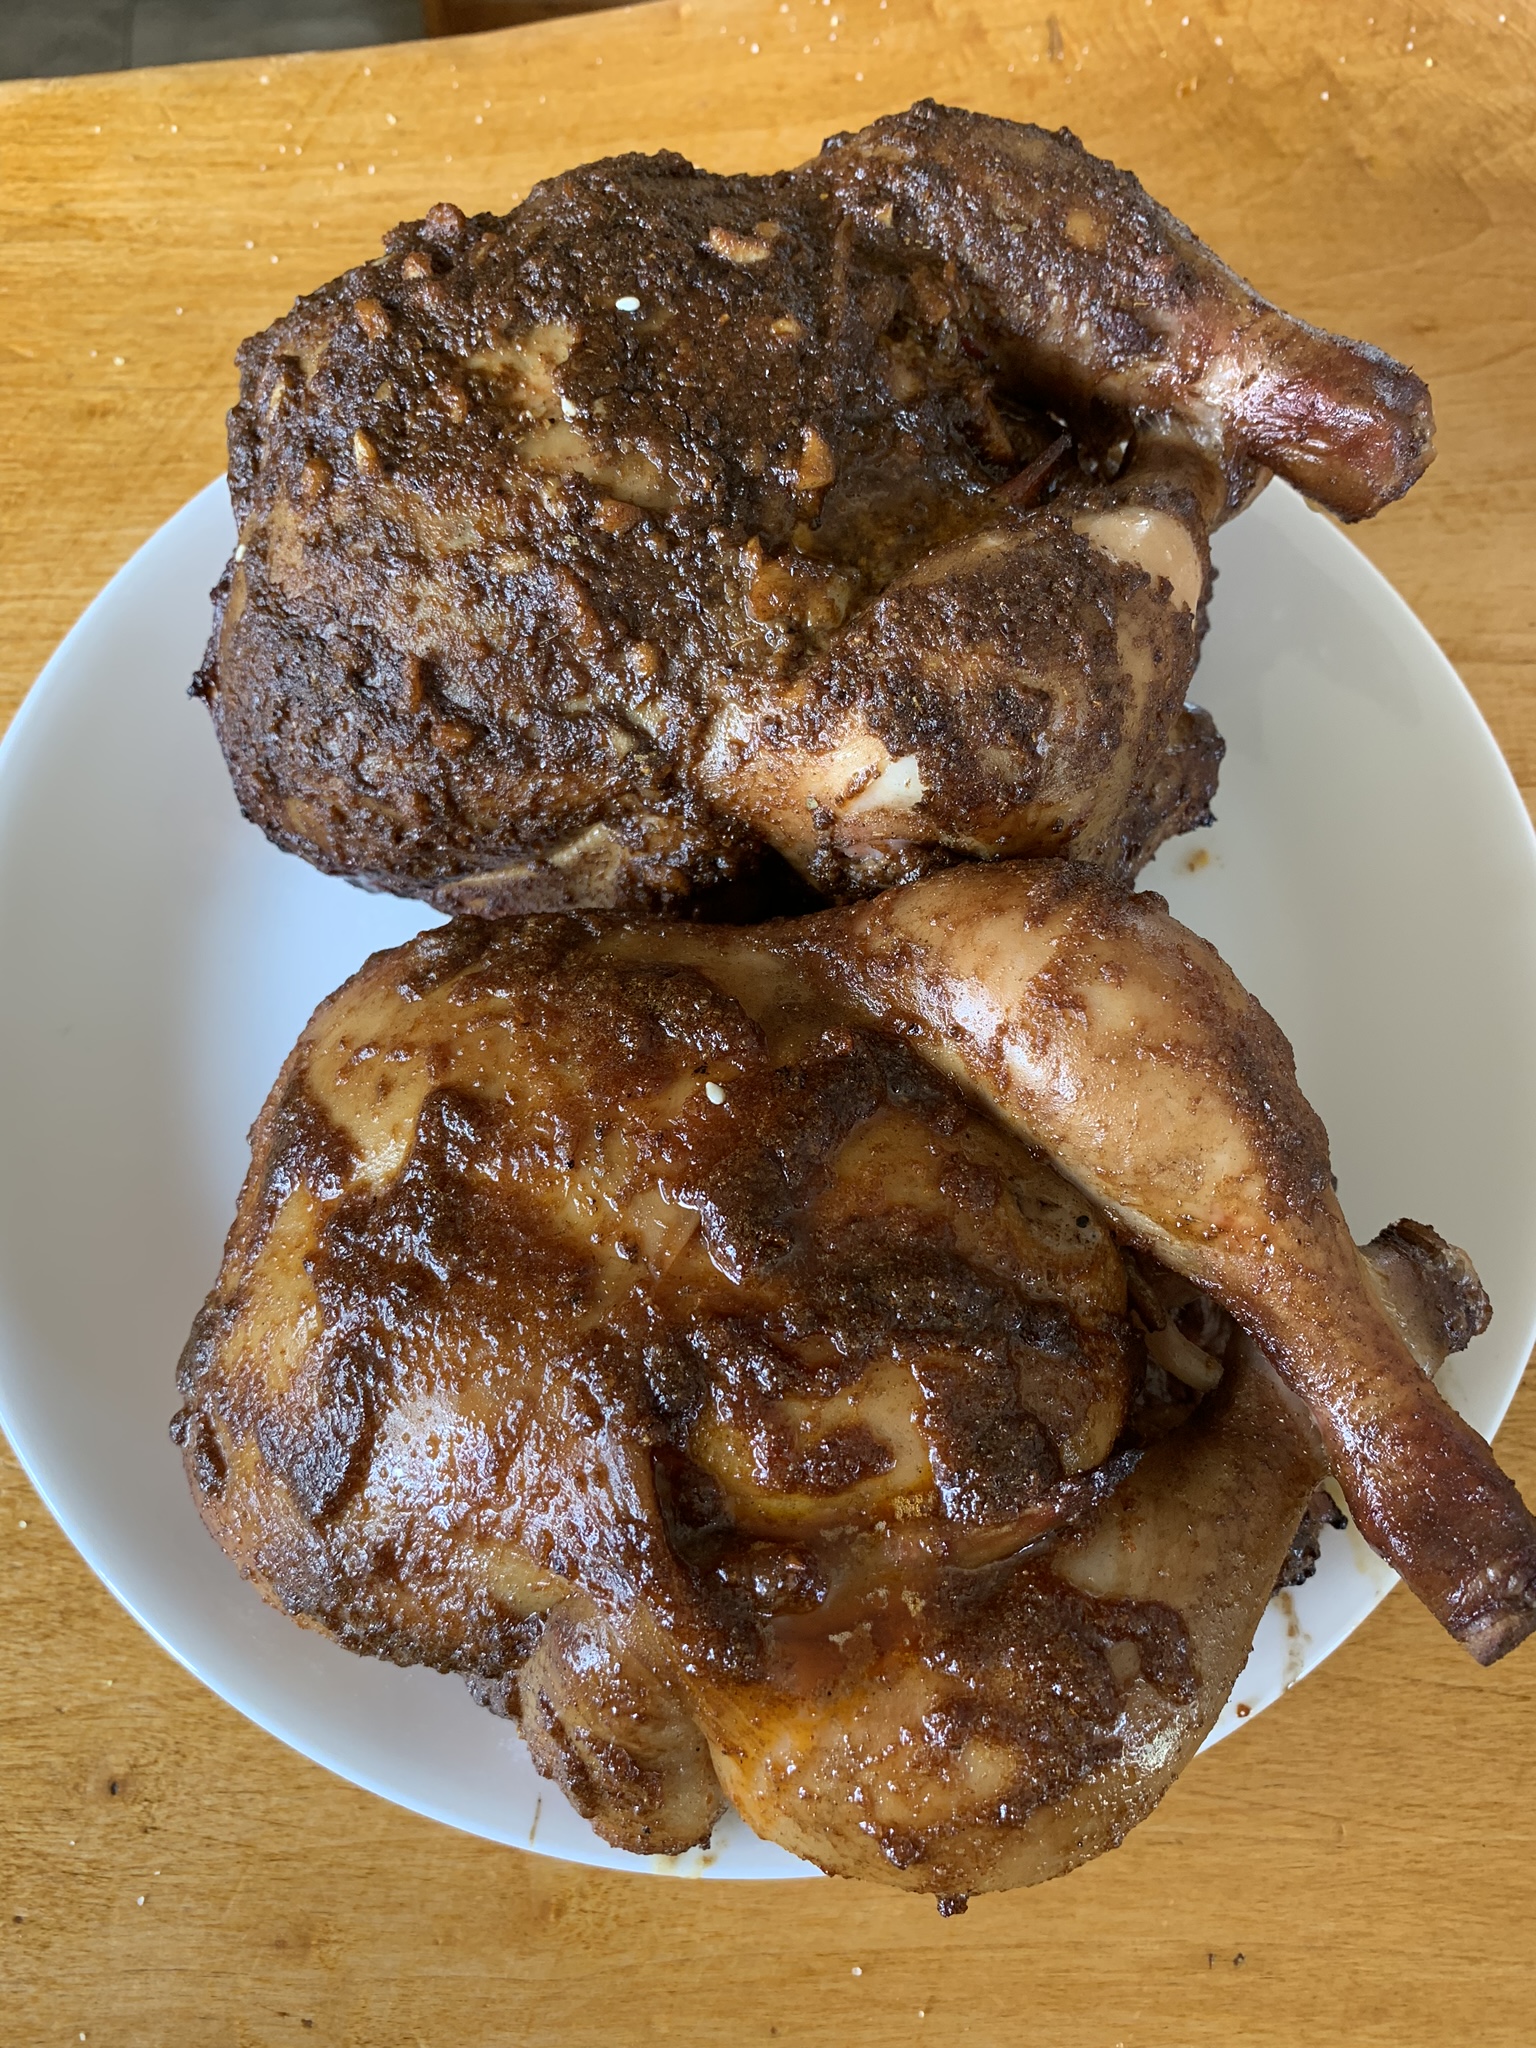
(1102, 1030)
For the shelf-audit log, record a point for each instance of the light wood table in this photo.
(1359, 1866)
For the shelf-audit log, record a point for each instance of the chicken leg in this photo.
(1100, 1029)
(1105, 299)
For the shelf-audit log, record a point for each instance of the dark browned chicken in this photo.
(702, 1339)
(854, 517)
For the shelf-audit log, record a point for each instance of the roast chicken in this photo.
(685, 541)
(867, 1367)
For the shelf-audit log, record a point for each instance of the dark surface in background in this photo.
(57, 38)
(52, 38)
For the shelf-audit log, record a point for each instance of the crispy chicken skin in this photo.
(675, 526)
(703, 1361)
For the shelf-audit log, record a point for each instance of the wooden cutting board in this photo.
(1359, 1866)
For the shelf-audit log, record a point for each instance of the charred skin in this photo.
(573, 542)
(480, 663)
(1100, 296)
(1048, 653)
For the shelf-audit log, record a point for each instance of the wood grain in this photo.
(1358, 1865)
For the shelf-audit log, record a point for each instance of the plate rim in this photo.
(21, 735)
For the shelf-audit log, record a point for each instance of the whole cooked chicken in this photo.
(870, 1368)
(678, 530)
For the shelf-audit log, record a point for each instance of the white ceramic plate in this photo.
(1372, 879)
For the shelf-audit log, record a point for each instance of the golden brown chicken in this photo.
(676, 526)
(786, 1364)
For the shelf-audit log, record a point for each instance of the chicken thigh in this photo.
(755, 1382)
(675, 527)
